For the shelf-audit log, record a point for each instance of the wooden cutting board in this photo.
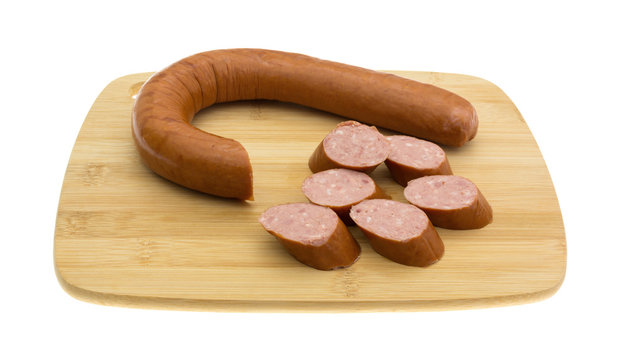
(127, 237)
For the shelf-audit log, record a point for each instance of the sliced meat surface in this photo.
(398, 231)
(450, 201)
(312, 234)
(340, 189)
(411, 158)
(351, 145)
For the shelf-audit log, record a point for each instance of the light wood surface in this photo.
(126, 237)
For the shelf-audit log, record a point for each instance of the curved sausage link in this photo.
(176, 150)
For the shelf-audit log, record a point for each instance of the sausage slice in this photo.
(351, 145)
(340, 189)
(450, 201)
(411, 158)
(312, 234)
(400, 232)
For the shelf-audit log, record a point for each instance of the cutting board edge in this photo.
(254, 306)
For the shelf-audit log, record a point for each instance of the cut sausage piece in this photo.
(340, 189)
(351, 145)
(411, 158)
(312, 234)
(400, 232)
(450, 201)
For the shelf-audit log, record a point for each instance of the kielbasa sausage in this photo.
(165, 106)
(312, 234)
(351, 145)
(340, 189)
(450, 201)
(398, 231)
(411, 158)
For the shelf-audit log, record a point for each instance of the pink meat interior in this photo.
(441, 192)
(306, 223)
(356, 145)
(338, 187)
(410, 151)
(390, 219)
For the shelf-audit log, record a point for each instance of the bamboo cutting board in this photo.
(124, 236)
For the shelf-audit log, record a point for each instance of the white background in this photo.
(558, 61)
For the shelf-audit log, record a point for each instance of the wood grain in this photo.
(126, 237)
